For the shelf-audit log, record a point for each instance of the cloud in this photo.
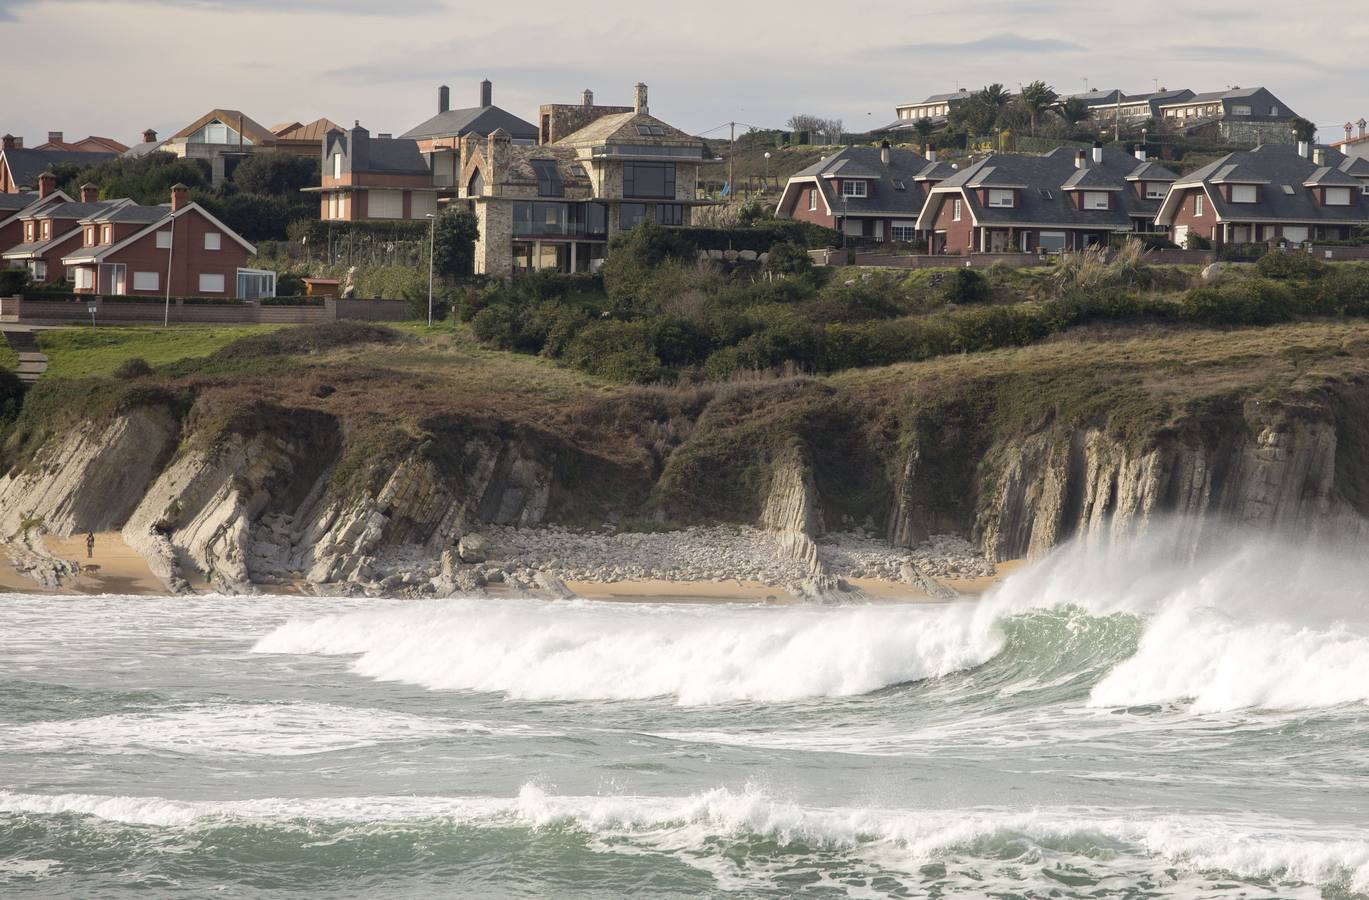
(1233, 54)
(353, 7)
(994, 43)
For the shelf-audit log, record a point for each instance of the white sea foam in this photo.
(232, 729)
(1251, 848)
(1251, 622)
(698, 655)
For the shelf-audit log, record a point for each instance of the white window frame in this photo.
(47, 229)
(1198, 205)
(147, 281)
(1052, 235)
(854, 187)
(1097, 200)
(374, 194)
(1343, 193)
(1303, 230)
(1240, 110)
(955, 210)
(1245, 193)
(813, 198)
(164, 240)
(106, 234)
(337, 165)
(85, 279)
(213, 240)
(1156, 190)
(208, 278)
(903, 231)
(1002, 198)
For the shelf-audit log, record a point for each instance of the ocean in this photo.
(1142, 721)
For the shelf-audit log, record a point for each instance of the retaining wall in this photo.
(55, 311)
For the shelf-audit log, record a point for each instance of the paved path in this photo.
(32, 363)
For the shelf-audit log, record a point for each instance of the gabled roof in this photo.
(898, 189)
(144, 148)
(1158, 96)
(133, 212)
(313, 132)
(74, 210)
(38, 248)
(961, 94)
(1098, 98)
(251, 129)
(28, 203)
(1325, 176)
(481, 120)
(14, 202)
(1092, 178)
(26, 164)
(1151, 171)
(95, 254)
(626, 128)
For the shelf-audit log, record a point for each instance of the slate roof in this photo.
(518, 167)
(398, 155)
(1044, 197)
(27, 164)
(143, 148)
(1277, 166)
(884, 197)
(481, 120)
(1098, 98)
(15, 202)
(622, 128)
(133, 212)
(75, 210)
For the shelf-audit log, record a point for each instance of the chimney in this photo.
(884, 152)
(1141, 152)
(639, 99)
(1362, 124)
(8, 142)
(1348, 128)
(1081, 160)
(496, 154)
(1319, 156)
(1304, 149)
(1097, 153)
(180, 196)
(444, 99)
(47, 183)
(89, 193)
(358, 149)
(54, 137)
(486, 93)
(931, 154)
(149, 136)
(587, 98)
(385, 135)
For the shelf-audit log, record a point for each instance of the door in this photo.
(1181, 235)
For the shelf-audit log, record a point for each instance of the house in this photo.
(1275, 192)
(1354, 145)
(91, 144)
(937, 107)
(1099, 100)
(875, 193)
(149, 144)
(1062, 200)
(367, 177)
(1240, 116)
(13, 208)
(1139, 107)
(224, 137)
(302, 140)
(51, 231)
(439, 138)
(177, 250)
(561, 119)
(556, 205)
(20, 166)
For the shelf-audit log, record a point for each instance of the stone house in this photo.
(1248, 116)
(556, 205)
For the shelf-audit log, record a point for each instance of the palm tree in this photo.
(995, 95)
(1038, 97)
(1073, 111)
(924, 128)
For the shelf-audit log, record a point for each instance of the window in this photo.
(213, 240)
(549, 182)
(28, 232)
(813, 199)
(337, 165)
(47, 229)
(648, 179)
(163, 240)
(955, 210)
(1000, 197)
(146, 281)
(651, 131)
(211, 284)
(1273, 110)
(629, 214)
(578, 171)
(1046, 194)
(253, 284)
(1288, 189)
(106, 234)
(1240, 110)
(1156, 190)
(1096, 200)
(669, 214)
(903, 231)
(1337, 196)
(84, 279)
(90, 236)
(1198, 204)
(1295, 234)
(853, 187)
(385, 204)
(1244, 193)
(900, 185)
(422, 204)
(1052, 241)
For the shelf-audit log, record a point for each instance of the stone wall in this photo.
(60, 312)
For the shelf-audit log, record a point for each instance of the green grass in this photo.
(9, 360)
(97, 352)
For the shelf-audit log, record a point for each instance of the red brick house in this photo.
(154, 250)
(368, 177)
(1276, 192)
(875, 193)
(20, 166)
(92, 144)
(51, 231)
(1062, 200)
(13, 208)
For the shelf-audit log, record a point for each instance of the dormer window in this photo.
(47, 229)
(106, 234)
(1155, 190)
(853, 187)
(1001, 197)
(90, 235)
(1096, 200)
(1244, 193)
(28, 232)
(1337, 196)
(900, 185)
(578, 171)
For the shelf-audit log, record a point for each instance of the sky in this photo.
(116, 67)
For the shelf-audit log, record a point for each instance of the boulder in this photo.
(473, 548)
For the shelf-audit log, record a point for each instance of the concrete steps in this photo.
(32, 364)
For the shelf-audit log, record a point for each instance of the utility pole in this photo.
(732, 160)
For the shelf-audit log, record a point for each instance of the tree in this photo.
(995, 95)
(1073, 111)
(978, 114)
(276, 173)
(829, 129)
(1038, 97)
(454, 242)
(924, 129)
(1303, 130)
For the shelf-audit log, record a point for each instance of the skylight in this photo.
(1288, 189)
(651, 130)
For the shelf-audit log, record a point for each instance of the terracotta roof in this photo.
(252, 130)
(313, 132)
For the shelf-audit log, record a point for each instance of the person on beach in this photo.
(90, 544)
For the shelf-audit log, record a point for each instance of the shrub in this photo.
(12, 281)
(1239, 303)
(680, 342)
(1242, 252)
(454, 236)
(787, 258)
(131, 368)
(723, 364)
(1195, 241)
(1290, 264)
(966, 286)
(1344, 291)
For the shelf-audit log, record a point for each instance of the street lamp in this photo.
(767, 170)
(432, 236)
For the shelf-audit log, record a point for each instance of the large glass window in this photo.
(559, 219)
(549, 182)
(669, 214)
(648, 179)
(629, 214)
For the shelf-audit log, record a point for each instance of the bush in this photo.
(1195, 241)
(1242, 252)
(131, 368)
(1290, 264)
(787, 258)
(1239, 303)
(1344, 291)
(966, 286)
(12, 281)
